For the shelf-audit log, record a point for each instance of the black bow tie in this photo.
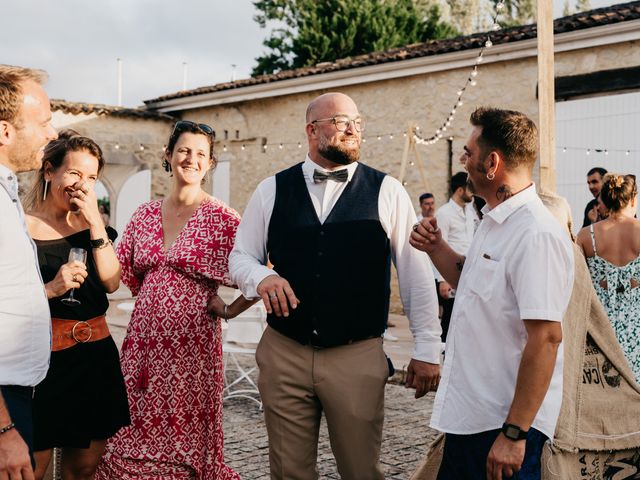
(337, 176)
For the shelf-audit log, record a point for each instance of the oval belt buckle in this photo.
(73, 332)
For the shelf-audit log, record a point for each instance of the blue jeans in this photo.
(19, 402)
(465, 456)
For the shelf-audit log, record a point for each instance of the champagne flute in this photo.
(80, 255)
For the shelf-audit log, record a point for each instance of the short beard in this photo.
(337, 155)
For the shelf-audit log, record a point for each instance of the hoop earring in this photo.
(491, 176)
(46, 187)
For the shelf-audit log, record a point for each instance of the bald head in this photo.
(329, 104)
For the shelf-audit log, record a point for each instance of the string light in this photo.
(605, 151)
(471, 81)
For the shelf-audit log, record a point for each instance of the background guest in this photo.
(612, 249)
(594, 182)
(427, 206)
(458, 221)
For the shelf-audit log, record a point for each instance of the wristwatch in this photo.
(514, 432)
(100, 243)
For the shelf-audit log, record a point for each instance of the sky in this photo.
(78, 43)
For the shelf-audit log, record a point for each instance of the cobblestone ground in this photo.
(406, 434)
(405, 437)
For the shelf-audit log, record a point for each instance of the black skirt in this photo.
(82, 398)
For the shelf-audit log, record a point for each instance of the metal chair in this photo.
(242, 336)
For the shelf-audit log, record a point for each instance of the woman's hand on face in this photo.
(85, 203)
(71, 275)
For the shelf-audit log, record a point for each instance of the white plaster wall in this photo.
(134, 192)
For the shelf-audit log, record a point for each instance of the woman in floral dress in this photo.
(612, 249)
(174, 256)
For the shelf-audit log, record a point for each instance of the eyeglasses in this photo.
(186, 124)
(342, 122)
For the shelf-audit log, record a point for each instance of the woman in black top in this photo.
(82, 401)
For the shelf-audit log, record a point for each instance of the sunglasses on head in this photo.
(185, 124)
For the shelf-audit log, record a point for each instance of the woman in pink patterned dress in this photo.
(174, 256)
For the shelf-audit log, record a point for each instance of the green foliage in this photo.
(583, 5)
(314, 31)
(518, 12)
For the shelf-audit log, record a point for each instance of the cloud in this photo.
(78, 42)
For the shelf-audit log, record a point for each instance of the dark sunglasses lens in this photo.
(205, 128)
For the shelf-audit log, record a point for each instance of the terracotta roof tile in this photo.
(78, 108)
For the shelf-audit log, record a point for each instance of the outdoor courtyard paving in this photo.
(405, 437)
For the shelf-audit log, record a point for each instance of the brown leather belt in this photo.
(67, 333)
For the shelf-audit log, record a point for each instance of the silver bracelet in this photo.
(226, 313)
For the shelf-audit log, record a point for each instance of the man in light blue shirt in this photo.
(25, 129)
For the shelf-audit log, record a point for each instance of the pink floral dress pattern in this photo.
(172, 354)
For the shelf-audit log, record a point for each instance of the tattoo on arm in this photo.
(460, 263)
(504, 192)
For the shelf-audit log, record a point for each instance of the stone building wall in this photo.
(389, 107)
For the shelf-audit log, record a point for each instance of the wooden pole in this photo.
(546, 96)
(405, 154)
(418, 161)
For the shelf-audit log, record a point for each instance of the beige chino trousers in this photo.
(297, 383)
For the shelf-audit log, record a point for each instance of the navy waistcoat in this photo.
(339, 269)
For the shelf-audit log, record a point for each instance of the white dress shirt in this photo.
(249, 256)
(25, 321)
(519, 267)
(458, 224)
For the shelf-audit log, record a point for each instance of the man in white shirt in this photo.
(427, 206)
(25, 129)
(501, 389)
(457, 220)
(331, 226)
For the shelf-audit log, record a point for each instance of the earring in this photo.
(491, 176)
(46, 187)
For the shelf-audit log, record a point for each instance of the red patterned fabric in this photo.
(172, 354)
